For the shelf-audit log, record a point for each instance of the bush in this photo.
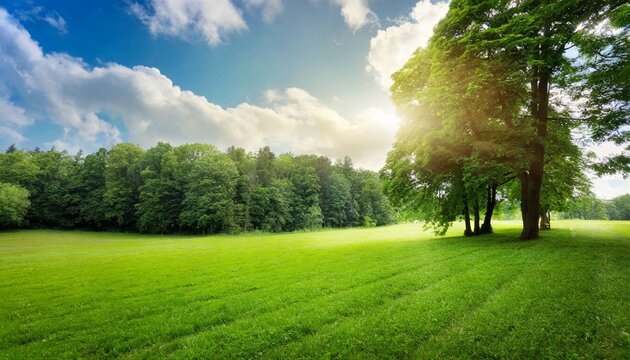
(368, 222)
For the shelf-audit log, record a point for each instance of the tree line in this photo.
(492, 104)
(192, 188)
(588, 207)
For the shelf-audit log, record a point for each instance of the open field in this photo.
(370, 293)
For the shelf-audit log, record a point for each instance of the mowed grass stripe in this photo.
(525, 321)
(81, 321)
(191, 324)
(380, 278)
(329, 309)
(220, 311)
(375, 293)
(395, 327)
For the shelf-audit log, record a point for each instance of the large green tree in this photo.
(488, 78)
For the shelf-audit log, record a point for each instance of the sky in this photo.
(301, 76)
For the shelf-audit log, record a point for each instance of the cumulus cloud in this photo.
(356, 13)
(150, 108)
(212, 20)
(392, 47)
(183, 18)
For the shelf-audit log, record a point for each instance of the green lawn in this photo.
(392, 292)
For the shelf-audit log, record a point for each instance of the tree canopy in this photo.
(192, 188)
(486, 103)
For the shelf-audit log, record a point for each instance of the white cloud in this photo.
(269, 8)
(356, 13)
(610, 186)
(80, 99)
(55, 20)
(392, 47)
(9, 113)
(11, 134)
(38, 13)
(212, 20)
(182, 18)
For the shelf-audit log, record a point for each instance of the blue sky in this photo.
(306, 76)
(308, 45)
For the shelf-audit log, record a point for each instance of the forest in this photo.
(192, 188)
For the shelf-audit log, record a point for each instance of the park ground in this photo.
(391, 292)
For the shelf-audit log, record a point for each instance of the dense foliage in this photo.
(13, 205)
(619, 208)
(486, 102)
(587, 207)
(192, 188)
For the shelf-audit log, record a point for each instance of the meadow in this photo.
(388, 292)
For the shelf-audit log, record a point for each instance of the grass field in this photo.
(392, 292)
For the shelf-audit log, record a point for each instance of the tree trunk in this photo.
(466, 213)
(523, 179)
(530, 188)
(545, 219)
(532, 199)
(491, 202)
(477, 229)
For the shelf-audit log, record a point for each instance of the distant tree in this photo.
(374, 203)
(14, 204)
(18, 167)
(336, 200)
(208, 206)
(306, 212)
(122, 181)
(265, 166)
(353, 208)
(586, 207)
(621, 207)
(54, 201)
(11, 148)
(160, 198)
(611, 210)
(271, 207)
(246, 166)
(91, 190)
